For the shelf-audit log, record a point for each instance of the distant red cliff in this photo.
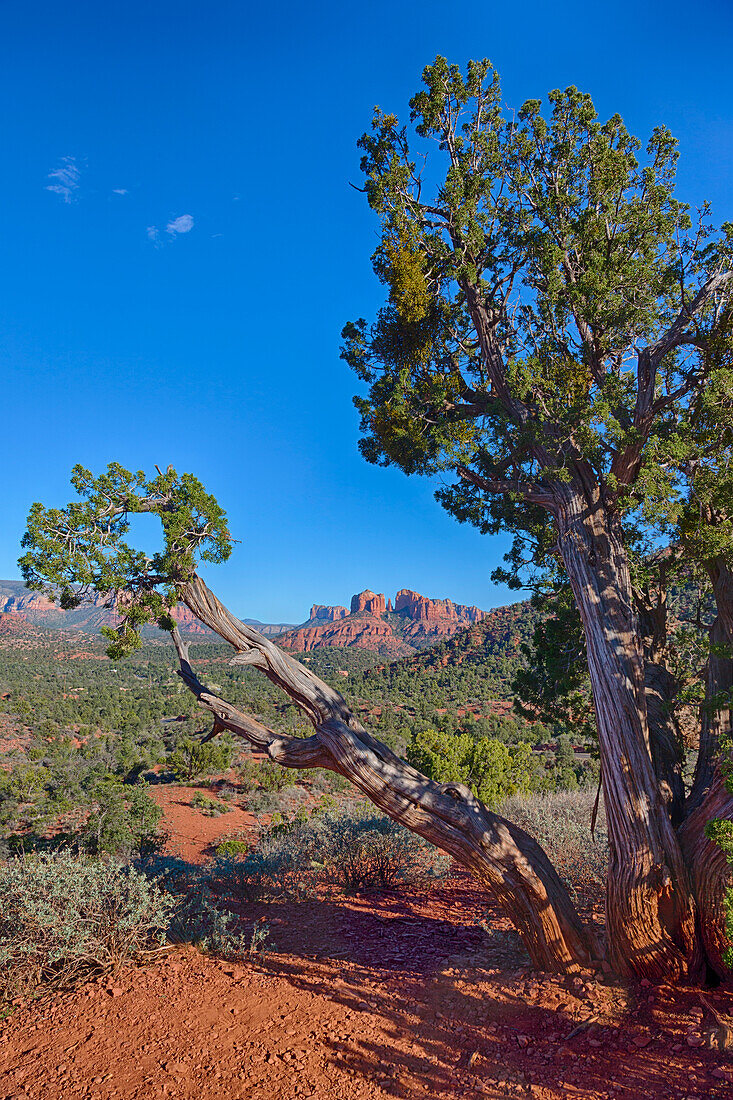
(393, 629)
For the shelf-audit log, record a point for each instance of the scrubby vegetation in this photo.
(67, 913)
(64, 915)
(84, 737)
(352, 849)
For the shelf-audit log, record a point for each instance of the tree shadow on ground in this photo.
(439, 1009)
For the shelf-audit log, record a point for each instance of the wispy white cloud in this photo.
(174, 228)
(184, 224)
(65, 179)
(119, 191)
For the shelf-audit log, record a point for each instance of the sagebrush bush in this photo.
(194, 915)
(366, 849)
(353, 849)
(63, 915)
(560, 821)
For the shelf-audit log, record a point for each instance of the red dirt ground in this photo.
(193, 835)
(397, 994)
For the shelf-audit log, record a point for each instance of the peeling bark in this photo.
(660, 689)
(509, 863)
(650, 909)
(709, 798)
(712, 875)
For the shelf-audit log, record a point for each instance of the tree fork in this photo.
(508, 862)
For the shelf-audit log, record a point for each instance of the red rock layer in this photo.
(365, 631)
(368, 602)
(327, 613)
(421, 622)
(419, 608)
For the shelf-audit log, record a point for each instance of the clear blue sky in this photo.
(178, 296)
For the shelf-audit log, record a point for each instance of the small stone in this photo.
(641, 1040)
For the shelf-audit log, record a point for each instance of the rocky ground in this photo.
(396, 994)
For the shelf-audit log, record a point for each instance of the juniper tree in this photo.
(550, 316)
(84, 550)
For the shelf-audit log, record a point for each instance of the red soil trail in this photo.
(194, 835)
(389, 996)
(397, 994)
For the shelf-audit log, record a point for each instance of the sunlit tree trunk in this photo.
(650, 909)
(509, 863)
(709, 799)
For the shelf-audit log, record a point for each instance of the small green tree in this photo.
(193, 759)
(488, 767)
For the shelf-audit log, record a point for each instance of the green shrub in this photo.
(492, 769)
(210, 807)
(192, 759)
(64, 915)
(352, 850)
(231, 848)
(263, 775)
(123, 820)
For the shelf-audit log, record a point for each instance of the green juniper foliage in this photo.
(551, 240)
(81, 550)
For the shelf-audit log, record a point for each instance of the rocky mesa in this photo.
(392, 628)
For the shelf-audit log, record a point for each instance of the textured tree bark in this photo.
(709, 798)
(650, 909)
(509, 863)
(715, 721)
(712, 875)
(661, 690)
(664, 737)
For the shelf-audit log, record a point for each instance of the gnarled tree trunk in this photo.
(512, 866)
(710, 798)
(665, 741)
(650, 909)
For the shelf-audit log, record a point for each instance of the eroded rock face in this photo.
(327, 613)
(19, 605)
(366, 631)
(369, 602)
(99, 611)
(421, 621)
(421, 608)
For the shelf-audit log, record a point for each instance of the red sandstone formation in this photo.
(369, 602)
(326, 613)
(20, 605)
(365, 631)
(34, 608)
(421, 621)
(419, 608)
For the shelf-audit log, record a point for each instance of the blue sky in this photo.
(181, 248)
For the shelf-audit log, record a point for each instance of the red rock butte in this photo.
(395, 630)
